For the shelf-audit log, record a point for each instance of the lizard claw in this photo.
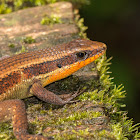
(78, 92)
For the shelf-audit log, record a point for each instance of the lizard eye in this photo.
(59, 65)
(82, 55)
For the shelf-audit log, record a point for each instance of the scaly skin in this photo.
(25, 74)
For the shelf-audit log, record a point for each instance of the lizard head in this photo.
(73, 56)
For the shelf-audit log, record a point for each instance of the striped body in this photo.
(18, 73)
(26, 74)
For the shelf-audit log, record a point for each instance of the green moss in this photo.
(11, 45)
(50, 20)
(79, 115)
(80, 23)
(23, 49)
(6, 131)
(109, 94)
(122, 127)
(4, 8)
(29, 40)
(104, 134)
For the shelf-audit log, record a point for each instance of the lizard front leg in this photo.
(49, 96)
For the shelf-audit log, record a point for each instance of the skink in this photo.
(26, 74)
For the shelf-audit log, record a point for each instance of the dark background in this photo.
(117, 23)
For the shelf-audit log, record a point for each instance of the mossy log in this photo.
(95, 116)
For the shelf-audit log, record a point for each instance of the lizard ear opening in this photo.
(59, 65)
(82, 55)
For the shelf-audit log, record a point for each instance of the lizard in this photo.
(26, 74)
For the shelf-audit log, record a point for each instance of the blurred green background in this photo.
(117, 23)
